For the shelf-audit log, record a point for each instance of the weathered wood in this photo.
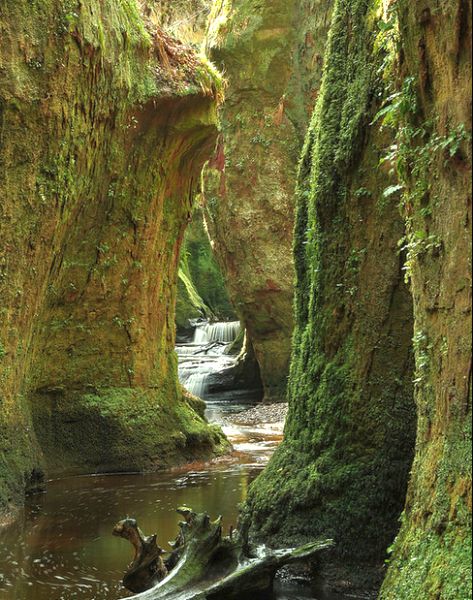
(147, 568)
(204, 565)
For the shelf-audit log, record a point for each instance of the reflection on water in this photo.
(63, 548)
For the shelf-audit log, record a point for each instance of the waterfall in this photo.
(217, 332)
(196, 384)
(199, 360)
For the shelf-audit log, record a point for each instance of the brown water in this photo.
(62, 548)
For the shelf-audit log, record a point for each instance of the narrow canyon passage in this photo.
(236, 281)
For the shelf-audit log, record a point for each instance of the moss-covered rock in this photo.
(189, 303)
(204, 269)
(202, 289)
(432, 556)
(271, 53)
(125, 429)
(104, 127)
(343, 467)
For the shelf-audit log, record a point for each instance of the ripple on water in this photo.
(62, 548)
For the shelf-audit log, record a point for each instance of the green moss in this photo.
(434, 560)
(120, 429)
(342, 470)
(199, 265)
(433, 569)
(103, 132)
(189, 304)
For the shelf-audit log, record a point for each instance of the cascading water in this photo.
(217, 332)
(206, 355)
(197, 384)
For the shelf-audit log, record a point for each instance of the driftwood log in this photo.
(205, 565)
(147, 568)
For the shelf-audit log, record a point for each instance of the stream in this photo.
(62, 547)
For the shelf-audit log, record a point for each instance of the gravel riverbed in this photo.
(263, 414)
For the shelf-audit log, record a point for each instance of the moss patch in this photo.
(120, 429)
(203, 290)
(342, 470)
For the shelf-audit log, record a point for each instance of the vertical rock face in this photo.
(271, 53)
(342, 470)
(432, 557)
(104, 128)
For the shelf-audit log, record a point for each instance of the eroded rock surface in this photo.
(272, 55)
(105, 124)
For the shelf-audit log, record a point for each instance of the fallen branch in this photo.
(204, 565)
(210, 347)
(147, 568)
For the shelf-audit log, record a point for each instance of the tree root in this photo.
(204, 565)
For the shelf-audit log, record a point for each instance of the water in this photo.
(62, 547)
(206, 355)
(206, 333)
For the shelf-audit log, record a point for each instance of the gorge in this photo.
(210, 206)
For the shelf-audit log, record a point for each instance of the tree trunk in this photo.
(204, 564)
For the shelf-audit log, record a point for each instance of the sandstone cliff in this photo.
(271, 53)
(432, 556)
(104, 127)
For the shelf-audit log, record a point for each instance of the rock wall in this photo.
(271, 54)
(432, 556)
(104, 127)
(184, 19)
(343, 467)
